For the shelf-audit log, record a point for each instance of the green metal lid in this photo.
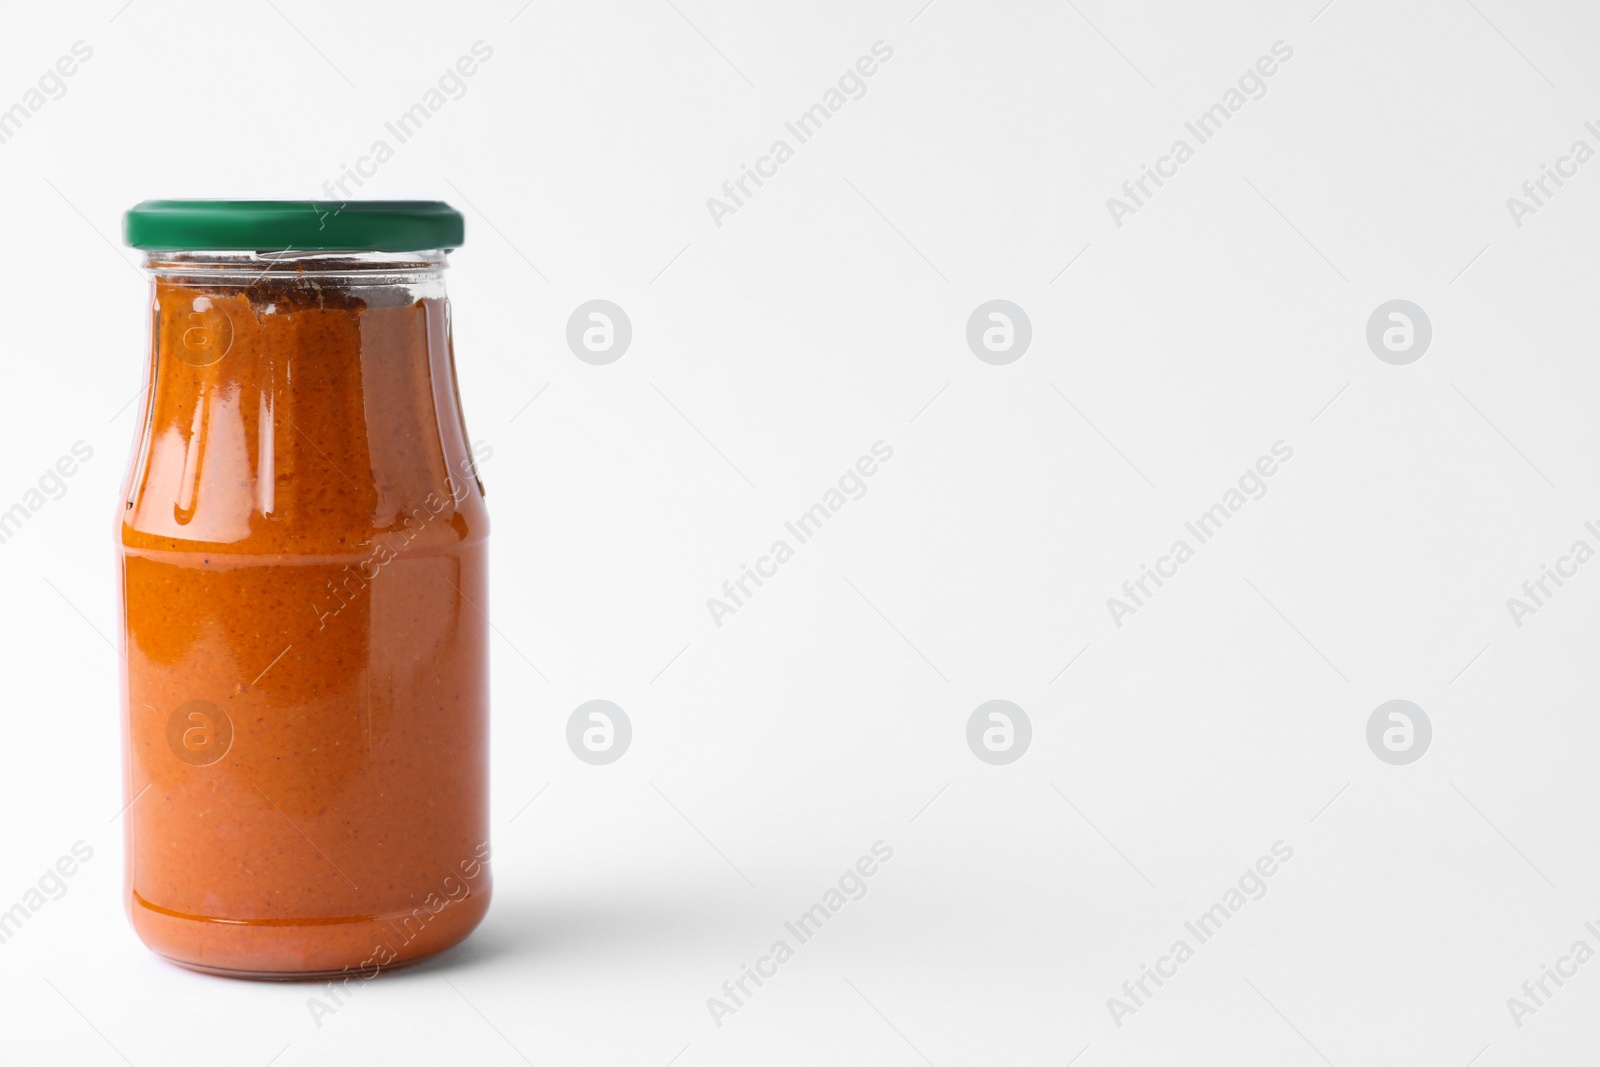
(292, 225)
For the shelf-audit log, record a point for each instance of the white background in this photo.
(830, 712)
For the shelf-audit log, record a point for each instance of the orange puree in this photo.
(304, 552)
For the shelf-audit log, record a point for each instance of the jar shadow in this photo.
(591, 927)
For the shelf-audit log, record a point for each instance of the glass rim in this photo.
(371, 268)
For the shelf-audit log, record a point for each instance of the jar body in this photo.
(303, 547)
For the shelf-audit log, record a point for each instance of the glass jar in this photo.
(303, 548)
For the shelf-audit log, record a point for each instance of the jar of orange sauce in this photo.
(303, 548)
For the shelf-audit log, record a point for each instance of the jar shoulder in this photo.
(273, 423)
(433, 524)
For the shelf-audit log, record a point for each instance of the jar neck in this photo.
(329, 269)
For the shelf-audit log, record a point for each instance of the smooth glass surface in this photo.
(303, 550)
